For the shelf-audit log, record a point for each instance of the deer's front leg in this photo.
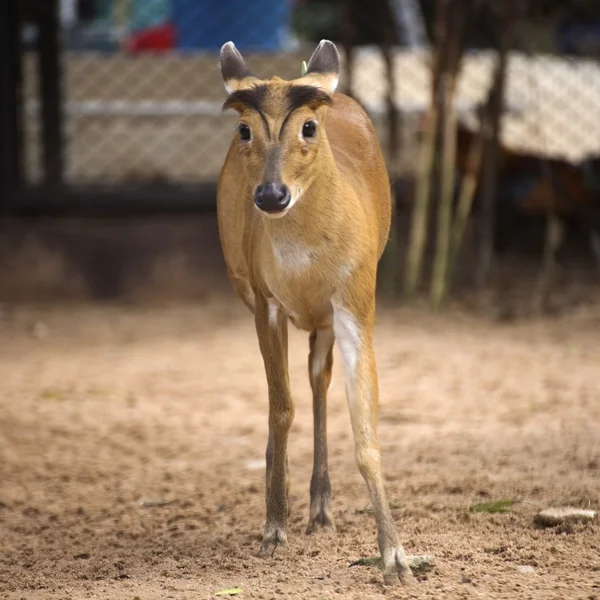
(320, 364)
(271, 328)
(353, 325)
(269, 464)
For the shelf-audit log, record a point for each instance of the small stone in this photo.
(256, 465)
(525, 569)
(421, 562)
(153, 503)
(39, 331)
(551, 517)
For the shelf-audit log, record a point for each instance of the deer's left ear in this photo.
(323, 69)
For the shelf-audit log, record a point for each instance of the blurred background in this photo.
(487, 114)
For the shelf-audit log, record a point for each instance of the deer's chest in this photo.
(300, 280)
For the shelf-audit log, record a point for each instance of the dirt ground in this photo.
(132, 441)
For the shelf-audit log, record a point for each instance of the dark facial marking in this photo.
(307, 95)
(252, 98)
(304, 95)
(273, 164)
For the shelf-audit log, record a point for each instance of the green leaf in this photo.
(368, 509)
(230, 592)
(52, 394)
(304, 68)
(500, 506)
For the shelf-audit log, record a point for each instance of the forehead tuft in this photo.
(306, 95)
(253, 97)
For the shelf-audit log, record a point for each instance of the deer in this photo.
(304, 210)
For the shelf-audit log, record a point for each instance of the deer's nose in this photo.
(272, 197)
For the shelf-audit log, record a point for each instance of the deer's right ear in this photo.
(236, 74)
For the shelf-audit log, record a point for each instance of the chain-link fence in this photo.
(142, 90)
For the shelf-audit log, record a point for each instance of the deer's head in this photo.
(280, 132)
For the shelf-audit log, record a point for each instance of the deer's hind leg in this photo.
(353, 325)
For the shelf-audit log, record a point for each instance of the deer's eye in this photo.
(245, 133)
(309, 129)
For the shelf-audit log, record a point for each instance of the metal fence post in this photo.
(11, 158)
(51, 93)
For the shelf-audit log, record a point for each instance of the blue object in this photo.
(578, 37)
(256, 25)
(145, 14)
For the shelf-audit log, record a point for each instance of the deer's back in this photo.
(359, 159)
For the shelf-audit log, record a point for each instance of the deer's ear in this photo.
(236, 74)
(323, 69)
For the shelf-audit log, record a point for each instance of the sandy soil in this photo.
(104, 407)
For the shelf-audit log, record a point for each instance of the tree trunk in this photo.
(490, 180)
(409, 22)
(418, 234)
(348, 35)
(490, 166)
(453, 51)
(444, 221)
(467, 194)
(552, 242)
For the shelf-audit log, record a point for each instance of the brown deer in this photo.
(304, 213)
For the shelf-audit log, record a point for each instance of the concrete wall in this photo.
(151, 259)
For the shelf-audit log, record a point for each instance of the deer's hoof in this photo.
(274, 537)
(395, 568)
(320, 518)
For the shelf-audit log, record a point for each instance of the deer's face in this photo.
(280, 131)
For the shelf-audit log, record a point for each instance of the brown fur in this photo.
(316, 265)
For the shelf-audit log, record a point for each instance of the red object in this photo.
(153, 39)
